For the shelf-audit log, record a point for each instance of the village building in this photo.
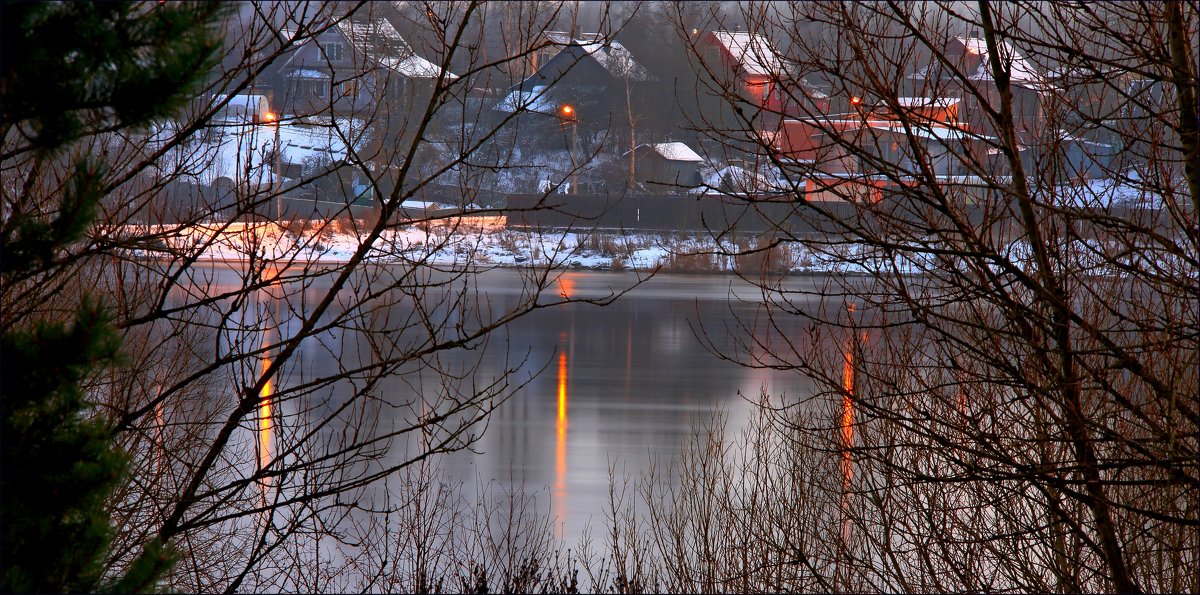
(969, 56)
(664, 168)
(750, 64)
(590, 76)
(746, 62)
(356, 68)
(837, 154)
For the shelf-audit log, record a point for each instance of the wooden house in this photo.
(590, 76)
(666, 167)
(353, 69)
(584, 92)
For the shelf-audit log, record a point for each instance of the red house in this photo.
(837, 157)
(751, 64)
(746, 61)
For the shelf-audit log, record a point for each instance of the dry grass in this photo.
(762, 258)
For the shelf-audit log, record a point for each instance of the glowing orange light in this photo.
(270, 117)
(855, 100)
(566, 287)
(567, 110)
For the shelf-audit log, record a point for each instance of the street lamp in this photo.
(569, 116)
(276, 150)
(856, 104)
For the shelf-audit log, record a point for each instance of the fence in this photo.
(768, 213)
(665, 212)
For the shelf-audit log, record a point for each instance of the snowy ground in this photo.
(487, 242)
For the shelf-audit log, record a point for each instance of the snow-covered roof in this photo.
(676, 151)
(415, 67)
(308, 73)
(1082, 73)
(926, 101)
(617, 60)
(287, 33)
(243, 152)
(736, 179)
(378, 40)
(374, 36)
(533, 100)
(237, 152)
(811, 90)
(565, 38)
(1023, 72)
(671, 151)
(753, 53)
(242, 108)
(939, 133)
(301, 143)
(1067, 137)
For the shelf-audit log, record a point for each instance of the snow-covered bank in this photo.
(488, 242)
(470, 241)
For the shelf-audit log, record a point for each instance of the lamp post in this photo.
(568, 114)
(276, 184)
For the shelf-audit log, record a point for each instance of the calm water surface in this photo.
(616, 388)
(623, 385)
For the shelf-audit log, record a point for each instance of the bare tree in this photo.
(270, 393)
(1007, 361)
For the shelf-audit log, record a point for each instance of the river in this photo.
(618, 389)
(623, 387)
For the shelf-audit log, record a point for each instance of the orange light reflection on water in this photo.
(566, 287)
(847, 413)
(560, 446)
(265, 427)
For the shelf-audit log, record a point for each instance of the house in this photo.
(590, 76)
(943, 110)
(969, 57)
(226, 162)
(237, 147)
(1076, 158)
(747, 62)
(353, 68)
(584, 96)
(553, 42)
(837, 154)
(249, 154)
(247, 109)
(666, 167)
(312, 150)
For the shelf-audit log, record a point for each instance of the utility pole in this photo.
(568, 114)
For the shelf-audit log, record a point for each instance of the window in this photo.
(314, 88)
(334, 51)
